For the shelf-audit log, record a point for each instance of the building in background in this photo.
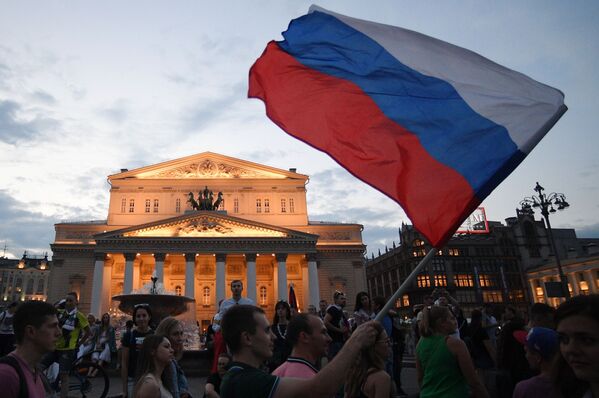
(260, 234)
(490, 262)
(24, 279)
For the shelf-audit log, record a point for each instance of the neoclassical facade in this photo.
(259, 234)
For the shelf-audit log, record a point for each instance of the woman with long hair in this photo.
(362, 310)
(576, 368)
(131, 343)
(367, 377)
(443, 363)
(104, 343)
(153, 379)
(173, 330)
(282, 348)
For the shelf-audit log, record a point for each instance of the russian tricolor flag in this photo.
(434, 126)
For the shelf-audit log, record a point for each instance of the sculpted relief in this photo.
(205, 227)
(207, 169)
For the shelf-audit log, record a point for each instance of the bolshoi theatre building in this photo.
(259, 232)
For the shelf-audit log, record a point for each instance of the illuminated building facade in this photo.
(259, 234)
(506, 265)
(24, 279)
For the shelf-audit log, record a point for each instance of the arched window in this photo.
(178, 290)
(206, 295)
(29, 288)
(263, 295)
(40, 286)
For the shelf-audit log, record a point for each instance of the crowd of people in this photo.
(325, 352)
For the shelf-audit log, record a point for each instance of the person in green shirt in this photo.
(443, 363)
(248, 335)
(75, 331)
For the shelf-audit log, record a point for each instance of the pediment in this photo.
(207, 165)
(205, 224)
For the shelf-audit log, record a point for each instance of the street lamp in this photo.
(548, 204)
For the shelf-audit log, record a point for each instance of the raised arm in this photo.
(330, 379)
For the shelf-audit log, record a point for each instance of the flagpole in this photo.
(405, 284)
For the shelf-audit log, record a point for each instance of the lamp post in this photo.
(547, 204)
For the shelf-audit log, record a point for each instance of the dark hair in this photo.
(299, 323)
(563, 376)
(145, 362)
(337, 294)
(238, 319)
(236, 280)
(129, 324)
(543, 315)
(145, 307)
(359, 296)
(284, 304)
(379, 302)
(431, 317)
(74, 294)
(34, 313)
(102, 321)
(13, 304)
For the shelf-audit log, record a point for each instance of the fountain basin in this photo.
(161, 305)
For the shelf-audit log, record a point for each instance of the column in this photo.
(571, 276)
(313, 280)
(588, 276)
(105, 294)
(128, 282)
(305, 302)
(250, 262)
(97, 283)
(533, 287)
(220, 277)
(282, 276)
(190, 263)
(159, 266)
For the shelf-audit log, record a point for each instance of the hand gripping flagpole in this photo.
(405, 284)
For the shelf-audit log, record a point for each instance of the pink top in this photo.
(296, 367)
(10, 380)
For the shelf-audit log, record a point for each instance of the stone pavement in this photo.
(408, 379)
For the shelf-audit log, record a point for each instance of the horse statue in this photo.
(192, 202)
(218, 201)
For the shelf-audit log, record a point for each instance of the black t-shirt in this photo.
(215, 380)
(133, 340)
(480, 356)
(337, 319)
(245, 381)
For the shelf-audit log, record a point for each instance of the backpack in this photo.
(12, 361)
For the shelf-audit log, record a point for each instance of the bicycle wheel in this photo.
(83, 385)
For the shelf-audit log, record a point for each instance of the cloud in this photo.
(116, 113)
(588, 231)
(22, 229)
(207, 111)
(43, 97)
(263, 155)
(14, 129)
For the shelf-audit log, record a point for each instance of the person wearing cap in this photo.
(541, 345)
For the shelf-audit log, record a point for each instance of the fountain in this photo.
(162, 302)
